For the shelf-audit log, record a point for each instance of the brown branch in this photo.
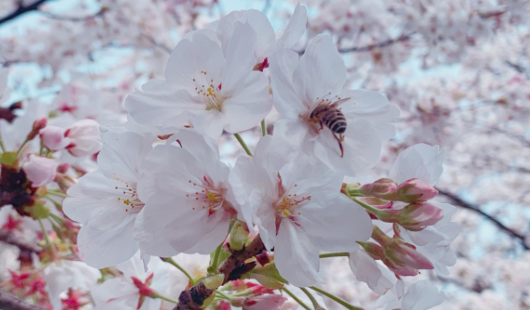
(381, 44)
(22, 10)
(233, 268)
(466, 205)
(11, 302)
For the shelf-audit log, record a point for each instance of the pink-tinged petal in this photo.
(359, 135)
(420, 161)
(95, 197)
(295, 28)
(189, 58)
(249, 104)
(108, 247)
(265, 218)
(122, 154)
(82, 128)
(282, 66)
(378, 278)
(321, 70)
(53, 138)
(40, 170)
(260, 24)
(422, 295)
(161, 104)
(295, 256)
(117, 293)
(210, 122)
(212, 239)
(337, 226)
(239, 58)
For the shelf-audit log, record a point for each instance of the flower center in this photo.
(208, 196)
(287, 206)
(129, 197)
(210, 93)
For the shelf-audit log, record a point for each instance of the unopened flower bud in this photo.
(375, 251)
(63, 168)
(380, 188)
(405, 254)
(238, 235)
(84, 138)
(417, 216)
(37, 126)
(52, 137)
(40, 170)
(213, 282)
(415, 190)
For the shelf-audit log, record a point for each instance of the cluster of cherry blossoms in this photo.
(119, 207)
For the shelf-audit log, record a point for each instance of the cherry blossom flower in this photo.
(68, 274)
(313, 85)
(267, 42)
(299, 210)
(125, 292)
(189, 172)
(107, 201)
(84, 138)
(220, 93)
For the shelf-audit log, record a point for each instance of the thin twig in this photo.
(466, 205)
(21, 9)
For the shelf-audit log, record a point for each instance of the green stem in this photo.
(335, 299)
(44, 233)
(366, 206)
(56, 193)
(218, 292)
(55, 203)
(22, 145)
(313, 300)
(337, 254)
(57, 219)
(2, 145)
(263, 128)
(301, 303)
(245, 147)
(174, 263)
(156, 295)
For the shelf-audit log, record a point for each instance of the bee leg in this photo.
(321, 125)
(339, 140)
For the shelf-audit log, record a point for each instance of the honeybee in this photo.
(328, 114)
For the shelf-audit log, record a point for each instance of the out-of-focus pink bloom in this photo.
(40, 170)
(53, 138)
(84, 138)
(37, 126)
(264, 302)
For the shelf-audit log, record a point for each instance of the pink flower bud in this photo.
(415, 190)
(380, 188)
(63, 168)
(53, 138)
(417, 216)
(40, 170)
(84, 138)
(405, 254)
(37, 126)
(264, 302)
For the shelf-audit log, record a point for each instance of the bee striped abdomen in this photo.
(334, 120)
